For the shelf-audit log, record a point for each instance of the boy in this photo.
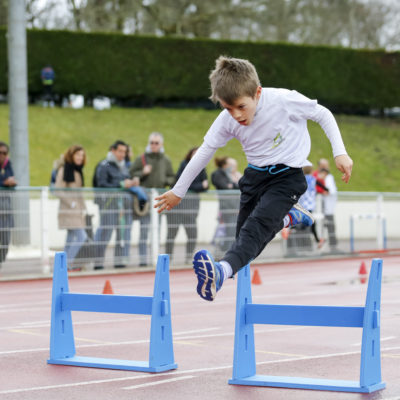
(271, 125)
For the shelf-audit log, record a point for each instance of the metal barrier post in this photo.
(379, 222)
(155, 229)
(44, 231)
(351, 234)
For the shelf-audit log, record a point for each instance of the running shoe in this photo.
(209, 275)
(299, 215)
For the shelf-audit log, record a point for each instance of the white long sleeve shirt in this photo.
(277, 135)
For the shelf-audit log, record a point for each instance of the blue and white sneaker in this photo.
(209, 275)
(299, 215)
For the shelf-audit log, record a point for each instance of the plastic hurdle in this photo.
(62, 345)
(368, 318)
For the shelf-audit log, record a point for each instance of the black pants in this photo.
(265, 200)
(189, 222)
(330, 226)
(185, 213)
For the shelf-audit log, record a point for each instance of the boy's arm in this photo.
(328, 123)
(172, 198)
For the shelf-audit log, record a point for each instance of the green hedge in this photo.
(149, 69)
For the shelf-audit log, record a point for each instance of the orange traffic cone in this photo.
(107, 288)
(363, 269)
(256, 278)
(363, 273)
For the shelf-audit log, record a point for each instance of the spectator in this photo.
(115, 209)
(7, 181)
(233, 169)
(56, 165)
(72, 210)
(226, 178)
(187, 211)
(47, 75)
(128, 157)
(329, 203)
(154, 169)
(320, 179)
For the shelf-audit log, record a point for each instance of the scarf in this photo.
(69, 170)
(121, 164)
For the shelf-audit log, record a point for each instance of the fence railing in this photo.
(110, 228)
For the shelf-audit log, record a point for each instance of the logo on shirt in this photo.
(278, 139)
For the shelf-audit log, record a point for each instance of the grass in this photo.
(372, 143)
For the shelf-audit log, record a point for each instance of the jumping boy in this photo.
(271, 125)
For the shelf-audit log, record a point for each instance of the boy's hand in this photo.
(167, 201)
(344, 164)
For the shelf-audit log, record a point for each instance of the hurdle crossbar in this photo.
(367, 318)
(62, 344)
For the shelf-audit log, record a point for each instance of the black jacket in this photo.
(227, 202)
(108, 175)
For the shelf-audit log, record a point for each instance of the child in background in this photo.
(308, 199)
(271, 125)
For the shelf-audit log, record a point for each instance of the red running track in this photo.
(203, 337)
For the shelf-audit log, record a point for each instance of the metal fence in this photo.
(111, 229)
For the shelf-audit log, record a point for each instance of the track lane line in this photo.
(158, 382)
(192, 371)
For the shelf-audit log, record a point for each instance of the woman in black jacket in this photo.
(224, 179)
(187, 211)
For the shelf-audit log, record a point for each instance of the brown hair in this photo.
(233, 78)
(308, 169)
(220, 161)
(69, 154)
(190, 153)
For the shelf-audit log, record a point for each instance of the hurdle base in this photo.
(307, 383)
(109, 363)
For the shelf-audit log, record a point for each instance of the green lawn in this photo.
(372, 143)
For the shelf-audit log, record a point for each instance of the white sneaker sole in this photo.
(300, 208)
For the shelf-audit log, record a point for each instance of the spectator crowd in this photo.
(122, 186)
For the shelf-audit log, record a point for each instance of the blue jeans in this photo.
(75, 239)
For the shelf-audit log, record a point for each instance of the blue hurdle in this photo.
(368, 318)
(62, 344)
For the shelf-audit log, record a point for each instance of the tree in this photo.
(3, 12)
(348, 23)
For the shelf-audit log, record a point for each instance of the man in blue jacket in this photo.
(115, 207)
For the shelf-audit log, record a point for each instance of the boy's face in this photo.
(243, 108)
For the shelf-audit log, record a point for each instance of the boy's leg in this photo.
(262, 209)
(261, 217)
(209, 273)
